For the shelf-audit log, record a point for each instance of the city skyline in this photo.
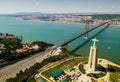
(59, 6)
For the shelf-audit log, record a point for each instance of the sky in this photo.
(59, 6)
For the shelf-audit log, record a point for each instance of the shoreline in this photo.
(66, 22)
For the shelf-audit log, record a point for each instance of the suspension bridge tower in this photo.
(86, 28)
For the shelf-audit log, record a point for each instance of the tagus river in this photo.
(56, 33)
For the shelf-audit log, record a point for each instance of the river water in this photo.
(56, 33)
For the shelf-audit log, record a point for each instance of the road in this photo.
(11, 70)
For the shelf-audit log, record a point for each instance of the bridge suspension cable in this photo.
(78, 47)
(79, 35)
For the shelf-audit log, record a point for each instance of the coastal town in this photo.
(93, 19)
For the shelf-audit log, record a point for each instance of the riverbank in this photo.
(67, 22)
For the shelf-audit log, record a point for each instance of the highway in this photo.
(11, 70)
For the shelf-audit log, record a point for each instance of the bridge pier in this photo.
(56, 51)
(66, 46)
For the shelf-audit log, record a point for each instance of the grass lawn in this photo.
(114, 73)
(81, 68)
(64, 65)
(115, 76)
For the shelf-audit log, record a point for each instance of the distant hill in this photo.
(90, 13)
(47, 14)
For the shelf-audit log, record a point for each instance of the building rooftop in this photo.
(57, 73)
(70, 68)
(65, 79)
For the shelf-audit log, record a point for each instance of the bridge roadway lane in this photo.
(11, 70)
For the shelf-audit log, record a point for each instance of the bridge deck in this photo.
(78, 47)
(79, 35)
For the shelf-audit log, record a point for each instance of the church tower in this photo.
(92, 63)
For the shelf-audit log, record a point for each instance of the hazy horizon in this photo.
(59, 6)
(60, 13)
